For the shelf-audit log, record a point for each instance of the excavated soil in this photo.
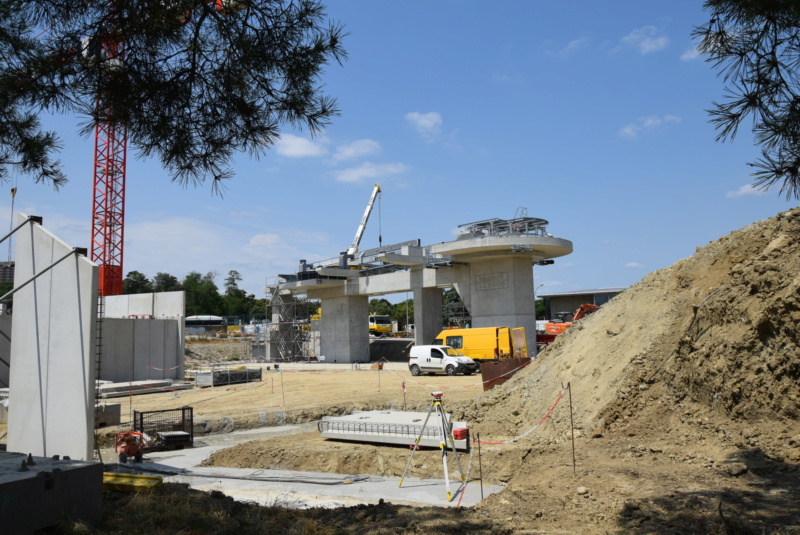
(682, 395)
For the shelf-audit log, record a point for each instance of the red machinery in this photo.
(108, 187)
(560, 323)
(129, 444)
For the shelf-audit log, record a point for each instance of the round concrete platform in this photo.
(537, 246)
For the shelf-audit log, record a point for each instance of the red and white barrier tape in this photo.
(532, 429)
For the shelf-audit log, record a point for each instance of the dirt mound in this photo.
(719, 328)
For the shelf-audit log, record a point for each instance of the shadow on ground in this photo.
(765, 499)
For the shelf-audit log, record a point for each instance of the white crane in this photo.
(360, 232)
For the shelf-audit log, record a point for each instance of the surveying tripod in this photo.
(445, 439)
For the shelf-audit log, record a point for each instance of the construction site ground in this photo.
(682, 395)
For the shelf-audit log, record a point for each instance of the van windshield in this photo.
(380, 320)
(453, 352)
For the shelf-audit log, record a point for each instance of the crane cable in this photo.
(380, 219)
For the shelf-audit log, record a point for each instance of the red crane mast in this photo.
(108, 205)
(108, 187)
(108, 191)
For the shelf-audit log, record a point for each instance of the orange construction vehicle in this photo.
(129, 444)
(561, 320)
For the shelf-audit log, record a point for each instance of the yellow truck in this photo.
(483, 344)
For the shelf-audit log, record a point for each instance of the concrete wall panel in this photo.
(139, 349)
(116, 306)
(51, 401)
(141, 304)
(5, 350)
(158, 305)
(169, 304)
(173, 351)
(156, 355)
(116, 362)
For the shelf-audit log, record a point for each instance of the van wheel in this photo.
(415, 370)
(477, 367)
(451, 370)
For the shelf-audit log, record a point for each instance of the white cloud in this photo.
(748, 189)
(368, 170)
(76, 232)
(634, 265)
(646, 39)
(645, 124)
(357, 149)
(178, 245)
(573, 46)
(298, 147)
(690, 54)
(427, 124)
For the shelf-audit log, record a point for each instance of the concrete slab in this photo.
(300, 489)
(132, 388)
(391, 427)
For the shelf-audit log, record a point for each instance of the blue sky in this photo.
(588, 114)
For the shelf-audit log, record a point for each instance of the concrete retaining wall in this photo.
(139, 349)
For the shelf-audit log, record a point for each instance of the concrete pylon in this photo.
(498, 292)
(427, 314)
(344, 329)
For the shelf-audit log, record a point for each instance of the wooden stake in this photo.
(572, 427)
(283, 394)
(480, 468)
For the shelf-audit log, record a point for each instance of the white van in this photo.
(439, 359)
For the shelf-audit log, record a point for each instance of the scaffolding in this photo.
(456, 315)
(289, 336)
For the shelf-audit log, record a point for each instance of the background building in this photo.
(7, 271)
(570, 301)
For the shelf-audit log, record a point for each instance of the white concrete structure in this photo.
(490, 264)
(52, 379)
(156, 305)
(143, 337)
(139, 349)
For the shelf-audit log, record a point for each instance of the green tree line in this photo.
(203, 296)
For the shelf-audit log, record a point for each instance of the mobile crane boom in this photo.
(360, 232)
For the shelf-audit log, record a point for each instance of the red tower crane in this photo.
(108, 190)
(108, 205)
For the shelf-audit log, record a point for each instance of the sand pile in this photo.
(719, 328)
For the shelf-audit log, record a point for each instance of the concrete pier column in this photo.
(427, 314)
(501, 295)
(344, 329)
